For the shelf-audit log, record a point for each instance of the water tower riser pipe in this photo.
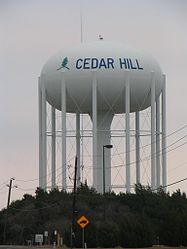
(104, 121)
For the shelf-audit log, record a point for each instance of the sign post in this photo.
(83, 222)
(83, 238)
(45, 237)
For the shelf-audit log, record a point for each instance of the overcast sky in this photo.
(32, 31)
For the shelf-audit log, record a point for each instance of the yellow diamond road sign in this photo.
(83, 221)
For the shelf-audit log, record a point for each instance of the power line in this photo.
(153, 155)
(124, 152)
(3, 183)
(48, 174)
(146, 145)
(132, 163)
(171, 184)
(57, 203)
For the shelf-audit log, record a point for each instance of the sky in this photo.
(32, 31)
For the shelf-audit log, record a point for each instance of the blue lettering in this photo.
(128, 65)
(79, 64)
(138, 66)
(122, 63)
(94, 63)
(110, 63)
(102, 63)
(132, 67)
(86, 63)
(107, 63)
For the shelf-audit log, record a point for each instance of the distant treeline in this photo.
(138, 219)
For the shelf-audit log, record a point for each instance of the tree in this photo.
(107, 234)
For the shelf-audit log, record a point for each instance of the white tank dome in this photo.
(112, 62)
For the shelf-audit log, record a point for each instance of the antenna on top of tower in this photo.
(81, 22)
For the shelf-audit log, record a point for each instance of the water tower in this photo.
(103, 79)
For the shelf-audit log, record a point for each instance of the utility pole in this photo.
(73, 207)
(8, 204)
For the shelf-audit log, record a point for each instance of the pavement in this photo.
(25, 247)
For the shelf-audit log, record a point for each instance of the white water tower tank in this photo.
(95, 77)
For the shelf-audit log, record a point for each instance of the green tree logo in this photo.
(64, 64)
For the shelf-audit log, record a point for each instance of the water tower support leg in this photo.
(78, 147)
(94, 121)
(53, 147)
(137, 135)
(153, 147)
(63, 117)
(40, 132)
(44, 138)
(127, 126)
(158, 142)
(164, 160)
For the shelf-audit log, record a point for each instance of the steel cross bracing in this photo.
(115, 133)
(135, 137)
